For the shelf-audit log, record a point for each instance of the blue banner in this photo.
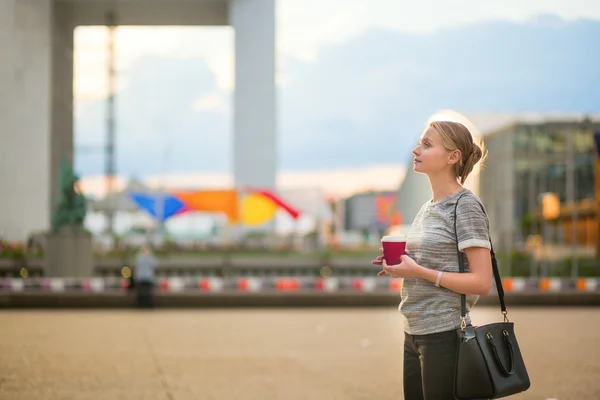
(152, 204)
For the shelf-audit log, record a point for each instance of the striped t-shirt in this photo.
(431, 243)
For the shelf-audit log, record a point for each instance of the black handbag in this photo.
(489, 364)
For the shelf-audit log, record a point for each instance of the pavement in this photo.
(266, 353)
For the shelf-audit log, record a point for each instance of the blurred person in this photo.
(430, 298)
(144, 277)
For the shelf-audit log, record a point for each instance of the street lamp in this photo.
(550, 211)
(550, 206)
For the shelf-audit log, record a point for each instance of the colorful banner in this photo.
(279, 202)
(255, 208)
(225, 201)
(160, 206)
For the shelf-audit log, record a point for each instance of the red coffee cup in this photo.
(393, 248)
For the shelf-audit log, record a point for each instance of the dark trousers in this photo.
(429, 365)
(145, 294)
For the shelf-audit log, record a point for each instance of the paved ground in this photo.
(262, 353)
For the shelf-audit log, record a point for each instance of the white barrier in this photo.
(265, 284)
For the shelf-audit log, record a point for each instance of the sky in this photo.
(320, 46)
(303, 27)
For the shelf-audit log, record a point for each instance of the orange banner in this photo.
(225, 201)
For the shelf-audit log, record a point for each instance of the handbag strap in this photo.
(461, 268)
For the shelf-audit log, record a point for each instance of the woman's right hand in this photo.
(378, 261)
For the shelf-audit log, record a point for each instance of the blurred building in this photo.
(370, 211)
(529, 154)
(537, 154)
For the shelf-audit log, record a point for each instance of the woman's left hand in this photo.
(407, 268)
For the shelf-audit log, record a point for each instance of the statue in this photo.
(68, 245)
(71, 207)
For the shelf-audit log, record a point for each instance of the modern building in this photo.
(37, 91)
(537, 154)
(370, 211)
(529, 154)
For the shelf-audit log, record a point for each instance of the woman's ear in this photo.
(454, 157)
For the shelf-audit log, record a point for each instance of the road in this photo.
(316, 353)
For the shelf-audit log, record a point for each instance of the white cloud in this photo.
(345, 181)
(213, 44)
(334, 182)
(304, 27)
(215, 101)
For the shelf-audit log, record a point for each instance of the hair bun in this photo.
(476, 154)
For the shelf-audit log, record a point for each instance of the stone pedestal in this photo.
(69, 253)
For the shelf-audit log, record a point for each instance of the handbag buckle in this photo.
(463, 323)
(505, 313)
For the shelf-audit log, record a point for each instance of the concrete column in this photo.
(25, 45)
(254, 140)
(36, 99)
(62, 93)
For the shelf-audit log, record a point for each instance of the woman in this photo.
(430, 300)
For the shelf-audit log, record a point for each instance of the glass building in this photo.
(537, 155)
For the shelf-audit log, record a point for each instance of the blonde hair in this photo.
(456, 136)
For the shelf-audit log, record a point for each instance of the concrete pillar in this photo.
(35, 111)
(63, 31)
(26, 114)
(254, 140)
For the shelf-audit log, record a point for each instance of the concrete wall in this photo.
(285, 299)
(150, 12)
(36, 112)
(25, 115)
(62, 32)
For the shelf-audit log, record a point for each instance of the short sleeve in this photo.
(472, 225)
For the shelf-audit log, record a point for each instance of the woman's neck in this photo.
(443, 186)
